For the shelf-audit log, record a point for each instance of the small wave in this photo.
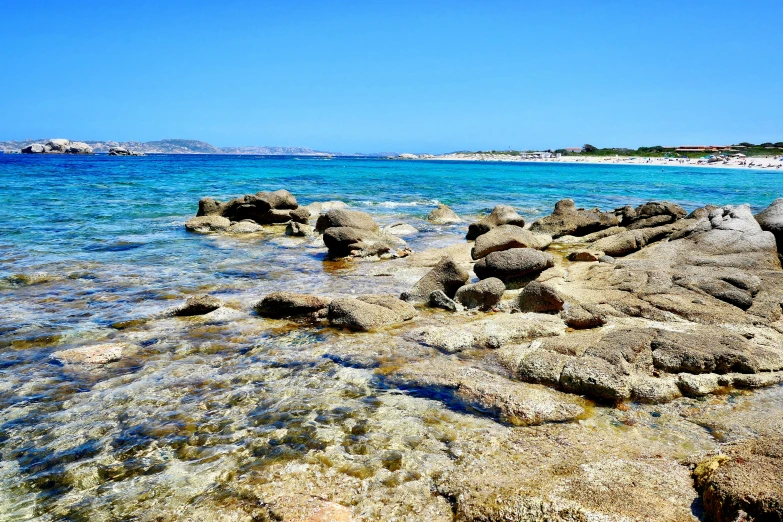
(396, 204)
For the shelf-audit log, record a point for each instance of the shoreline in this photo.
(758, 163)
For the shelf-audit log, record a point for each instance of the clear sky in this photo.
(405, 76)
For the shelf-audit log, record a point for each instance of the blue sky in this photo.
(394, 76)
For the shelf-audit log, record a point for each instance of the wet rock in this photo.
(744, 483)
(95, 354)
(535, 365)
(517, 403)
(443, 215)
(440, 300)
(207, 224)
(198, 305)
(244, 227)
(350, 241)
(500, 215)
(698, 385)
(320, 207)
(288, 304)
(300, 215)
(505, 237)
(585, 255)
(484, 294)
(346, 218)
(447, 276)
(209, 207)
(540, 297)
(299, 230)
(263, 207)
(401, 229)
(568, 220)
(655, 390)
(369, 312)
(492, 332)
(512, 264)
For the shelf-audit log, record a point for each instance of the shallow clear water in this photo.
(202, 409)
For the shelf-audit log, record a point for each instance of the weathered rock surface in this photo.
(484, 295)
(198, 305)
(401, 229)
(508, 265)
(207, 224)
(505, 237)
(771, 220)
(447, 276)
(652, 214)
(95, 354)
(568, 220)
(263, 208)
(346, 219)
(320, 207)
(369, 312)
(744, 483)
(122, 151)
(492, 332)
(288, 304)
(244, 227)
(299, 229)
(58, 146)
(438, 299)
(585, 255)
(443, 215)
(540, 297)
(517, 403)
(500, 215)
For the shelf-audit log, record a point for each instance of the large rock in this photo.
(58, 146)
(78, 147)
(630, 241)
(443, 215)
(401, 230)
(540, 297)
(35, 148)
(369, 312)
(346, 218)
(771, 220)
(198, 305)
(357, 242)
(484, 294)
(512, 264)
(317, 208)
(447, 276)
(96, 354)
(651, 214)
(568, 220)
(207, 224)
(501, 215)
(264, 208)
(744, 482)
(288, 304)
(505, 237)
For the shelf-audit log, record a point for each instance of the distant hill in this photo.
(174, 146)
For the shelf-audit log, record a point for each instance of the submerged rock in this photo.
(198, 305)
(350, 241)
(288, 304)
(443, 215)
(299, 229)
(447, 276)
(401, 229)
(500, 215)
(95, 354)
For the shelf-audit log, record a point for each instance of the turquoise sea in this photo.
(93, 246)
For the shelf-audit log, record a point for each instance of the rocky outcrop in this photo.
(58, 146)
(264, 208)
(369, 312)
(513, 264)
(122, 151)
(358, 242)
(485, 294)
(771, 220)
(743, 483)
(198, 305)
(96, 354)
(569, 220)
(501, 215)
(342, 218)
(443, 215)
(505, 237)
(652, 214)
(447, 276)
(288, 304)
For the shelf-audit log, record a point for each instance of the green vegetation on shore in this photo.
(658, 151)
